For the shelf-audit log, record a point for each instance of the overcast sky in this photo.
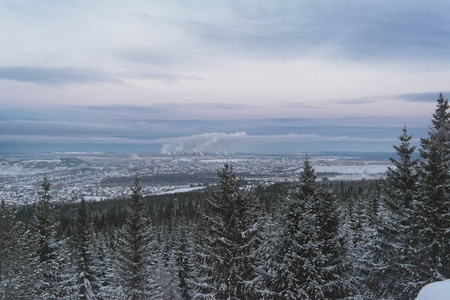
(219, 75)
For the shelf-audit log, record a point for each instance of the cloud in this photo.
(361, 101)
(175, 33)
(40, 139)
(149, 56)
(374, 30)
(166, 78)
(300, 105)
(196, 112)
(422, 97)
(52, 128)
(211, 142)
(171, 128)
(56, 76)
(171, 120)
(413, 97)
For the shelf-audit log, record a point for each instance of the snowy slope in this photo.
(435, 291)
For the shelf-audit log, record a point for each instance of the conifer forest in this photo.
(306, 239)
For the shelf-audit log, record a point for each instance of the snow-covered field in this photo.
(369, 169)
(353, 172)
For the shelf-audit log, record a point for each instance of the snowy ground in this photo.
(435, 291)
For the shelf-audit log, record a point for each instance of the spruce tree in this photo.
(293, 266)
(391, 247)
(331, 242)
(104, 266)
(86, 284)
(10, 259)
(183, 267)
(432, 204)
(50, 266)
(180, 262)
(227, 241)
(359, 259)
(135, 253)
(306, 261)
(165, 276)
(401, 180)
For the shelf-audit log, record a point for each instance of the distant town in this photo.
(100, 176)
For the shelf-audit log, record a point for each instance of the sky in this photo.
(219, 76)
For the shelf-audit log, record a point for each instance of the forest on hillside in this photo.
(307, 239)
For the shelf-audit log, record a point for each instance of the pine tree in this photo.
(135, 255)
(227, 240)
(432, 204)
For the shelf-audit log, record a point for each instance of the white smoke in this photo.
(214, 142)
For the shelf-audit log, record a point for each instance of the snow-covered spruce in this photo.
(306, 261)
(391, 245)
(50, 273)
(431, 218)
(227, 241)
(135, 255)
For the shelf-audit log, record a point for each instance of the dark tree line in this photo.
(307, 239)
